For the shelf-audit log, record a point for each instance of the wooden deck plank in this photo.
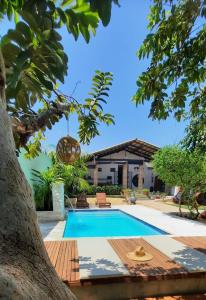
(160, 267)
(195, 242)
(47, 245)
(60, 261)
(66, 261)
(51, 247)
(53, 252)
(69, 267)
(64, 257)
(73, 275)
(63, 263)
(76, 262)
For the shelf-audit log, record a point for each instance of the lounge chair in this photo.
(177, 198)
(82, 201)
(101, 200)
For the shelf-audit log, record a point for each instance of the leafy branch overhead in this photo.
(195, 137)
(93, 109)
(36, 63)
(174, 82)
(90, 113)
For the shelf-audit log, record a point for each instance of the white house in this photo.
(127, 164)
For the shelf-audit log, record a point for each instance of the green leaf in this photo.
(62, 15)
(84, 31)
(103, 8)
(9, 10)
(66, 2)
(24, 29)
(30, 19)
(16, 17)
(48, 84)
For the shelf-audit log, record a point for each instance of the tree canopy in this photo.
(195, 136)
(174, 82)
(177, 167)
(36, 63)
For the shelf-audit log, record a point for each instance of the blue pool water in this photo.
(104, 223)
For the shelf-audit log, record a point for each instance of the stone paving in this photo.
(160, 205)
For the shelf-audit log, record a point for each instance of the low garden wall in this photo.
(58, 213)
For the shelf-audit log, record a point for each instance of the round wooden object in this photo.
(68, 150)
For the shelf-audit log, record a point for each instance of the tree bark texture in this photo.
(25, 269)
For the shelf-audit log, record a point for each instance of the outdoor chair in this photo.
(177, 198)
(82, 201)
(101, 200)
(131, 198)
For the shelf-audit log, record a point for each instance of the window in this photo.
(112, 169)
(109, 177)
(91, 166)
(99, 169)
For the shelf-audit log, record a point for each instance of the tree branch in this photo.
(25, 126)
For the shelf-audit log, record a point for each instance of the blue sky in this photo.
(114, 49)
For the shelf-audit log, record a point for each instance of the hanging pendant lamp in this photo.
(68, 149)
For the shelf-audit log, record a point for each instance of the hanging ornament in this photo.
(68, 149)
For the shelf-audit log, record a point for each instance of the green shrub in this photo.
(108, 189)
(42, 189)
(126, 191)
(71, 175)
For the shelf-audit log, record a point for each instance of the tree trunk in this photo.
(25, 269)
(180, 205)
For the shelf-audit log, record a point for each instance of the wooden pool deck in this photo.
(159, 271)
(64, 257)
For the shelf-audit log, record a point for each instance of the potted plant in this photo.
(145, 192)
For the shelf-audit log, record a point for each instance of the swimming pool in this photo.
(106, 223)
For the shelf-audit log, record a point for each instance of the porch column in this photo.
(125, 176)
(141, 177)
(95, 182)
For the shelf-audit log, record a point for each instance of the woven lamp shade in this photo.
(68, 150)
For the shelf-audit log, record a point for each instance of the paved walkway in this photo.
(165, 221)
(161, 206)
(98, 259)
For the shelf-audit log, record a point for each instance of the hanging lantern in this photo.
(68, 150)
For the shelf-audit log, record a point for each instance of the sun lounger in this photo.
(82, 201)
(101, 200)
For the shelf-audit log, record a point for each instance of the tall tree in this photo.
(32, 61)
(174, 82)
(178, 167)
(195, 135)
